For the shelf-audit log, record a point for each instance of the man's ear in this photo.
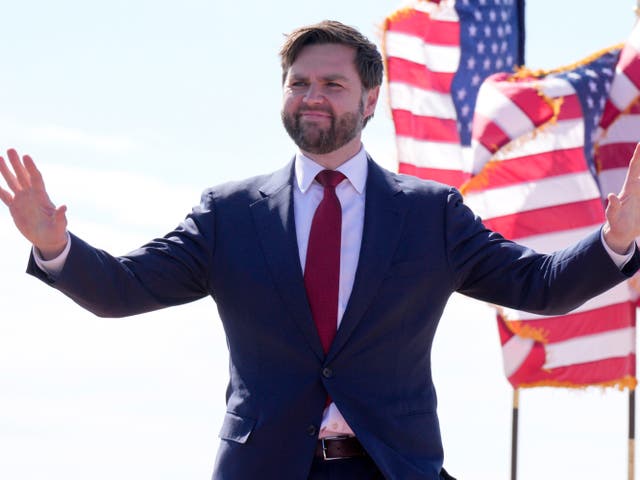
(370, 101)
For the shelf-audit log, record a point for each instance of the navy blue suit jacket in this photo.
(420, 243)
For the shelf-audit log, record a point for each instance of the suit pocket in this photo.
(236, 428)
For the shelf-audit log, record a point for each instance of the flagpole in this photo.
(632, 432)
(514, 434)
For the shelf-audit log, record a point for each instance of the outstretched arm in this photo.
(35, 215)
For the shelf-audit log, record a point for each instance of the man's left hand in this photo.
(623, 210)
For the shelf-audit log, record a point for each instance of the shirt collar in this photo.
(355, 169)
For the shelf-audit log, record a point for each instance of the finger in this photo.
(8, 176)
(613, 203)
(21, 172)
(6, 197)
(34, 173)
(60, 215)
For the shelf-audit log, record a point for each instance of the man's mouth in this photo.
(314, 114)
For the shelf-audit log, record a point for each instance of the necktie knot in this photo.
(329, 178)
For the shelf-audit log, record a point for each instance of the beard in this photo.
(315, 139)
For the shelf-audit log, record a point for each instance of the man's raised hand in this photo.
(35, 215)
(623, 211)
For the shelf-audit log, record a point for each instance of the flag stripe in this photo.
(623, 92)
(425, 128)
(549, 192)
(493, 136)
(615, 155)
(438, 58)
(506, 114)
(529, 168)
(629, 65)
(624, 129)
(548, 219)
(440, 31)
(554, 87)
(561, 135)
(448, 177)
(515, 352)
(414, 74)
(447, 156)
(618, 314)
(527, 100)
(570, 108)
(592, 373)
(591, 348)
(611, 180)
(420, 101)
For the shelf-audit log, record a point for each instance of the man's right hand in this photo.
(35, 215)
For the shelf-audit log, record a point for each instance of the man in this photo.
(290, 256)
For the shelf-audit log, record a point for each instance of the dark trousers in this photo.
(360, 468)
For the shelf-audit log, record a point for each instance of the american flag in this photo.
(533, 140)
(619, 129)
(437, 54)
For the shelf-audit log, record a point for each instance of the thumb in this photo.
(613, 207)
(613, 202)
(60, 214)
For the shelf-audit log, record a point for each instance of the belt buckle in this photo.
(324, 447)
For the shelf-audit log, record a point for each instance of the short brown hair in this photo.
(368, 60)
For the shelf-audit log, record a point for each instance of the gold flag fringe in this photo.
(400, 14)
(523, 330)
(626, 382)
(526, 72)
(403, 13)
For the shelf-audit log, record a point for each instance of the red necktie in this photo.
(322, 265)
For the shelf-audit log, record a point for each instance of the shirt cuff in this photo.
(619, 260)
(54, 266)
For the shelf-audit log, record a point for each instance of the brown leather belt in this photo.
(336, 448)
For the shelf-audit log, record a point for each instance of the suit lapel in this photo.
(383, 219)
(274, 219)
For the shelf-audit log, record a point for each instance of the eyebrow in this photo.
(326, 78)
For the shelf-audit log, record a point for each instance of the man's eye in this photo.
(299, 83)
(334, 85)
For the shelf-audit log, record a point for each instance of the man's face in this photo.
(324, 103)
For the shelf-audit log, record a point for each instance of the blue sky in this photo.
(131, 108)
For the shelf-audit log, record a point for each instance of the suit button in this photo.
(312, 430)
(327, 372)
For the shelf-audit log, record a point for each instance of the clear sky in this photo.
(131, 108)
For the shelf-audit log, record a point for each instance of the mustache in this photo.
(317, 109)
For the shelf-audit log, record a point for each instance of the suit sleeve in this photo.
(496, 270)
(171, 270)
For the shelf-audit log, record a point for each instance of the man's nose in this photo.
(313, 94)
